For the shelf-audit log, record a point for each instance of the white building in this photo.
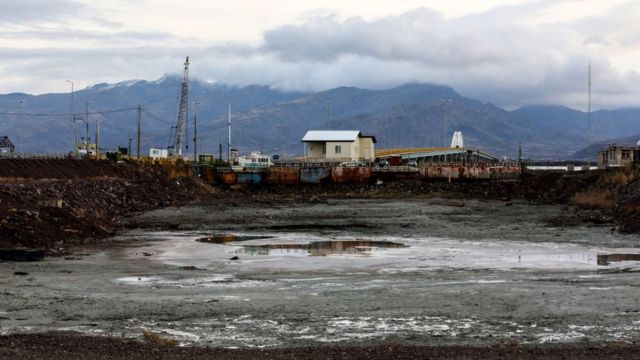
(339, 145)
(155, 153)
(255, 159)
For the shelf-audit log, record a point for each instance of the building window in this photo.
(338, 149)
(626, 154)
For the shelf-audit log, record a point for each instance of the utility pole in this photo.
(328, 109)
(195, 130)
(139, 130)
(73, 137)
(21, 111)
(229, 138)
(98, 137)
(520, 152)
(445, 102)
(86, 123)
(589, 108)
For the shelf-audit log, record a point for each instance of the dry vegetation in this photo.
(619, 178)
(604, 193)
(594, 199)
(156, 339)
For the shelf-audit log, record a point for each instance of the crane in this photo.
(182, 109)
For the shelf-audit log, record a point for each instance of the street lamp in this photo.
(444, 103)
(195, 130)
(20, 111)
(73, 136)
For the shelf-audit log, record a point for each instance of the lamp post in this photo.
(73, 135)
(444, 103)
(195, 130)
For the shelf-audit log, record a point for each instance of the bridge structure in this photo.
(438, 155)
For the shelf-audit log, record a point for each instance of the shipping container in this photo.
(315, 175)
(249, 177)
(207, 174)
(227, 178)
(350, 175)
(283, 176)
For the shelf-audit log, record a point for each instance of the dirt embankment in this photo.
(54, 204)
(609, 197)
(60, 346)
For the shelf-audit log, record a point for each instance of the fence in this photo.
(34, 156)
(470, 171)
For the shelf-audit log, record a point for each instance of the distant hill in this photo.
(572, 126)
(274, 121)
(159, 98)
(590, 152)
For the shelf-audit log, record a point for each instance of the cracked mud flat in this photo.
(476, 274)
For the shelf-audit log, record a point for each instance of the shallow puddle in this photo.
(322, 248)
(609, 258)
(227, 238)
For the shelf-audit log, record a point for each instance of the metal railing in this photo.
(402, 168)
(34, 155)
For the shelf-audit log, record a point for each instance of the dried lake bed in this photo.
(417, 271)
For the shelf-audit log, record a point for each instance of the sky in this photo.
(507, 52)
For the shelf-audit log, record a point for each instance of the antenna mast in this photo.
(182, 109)
(589, 108)
(229, 138)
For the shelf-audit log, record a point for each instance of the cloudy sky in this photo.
(509, 52)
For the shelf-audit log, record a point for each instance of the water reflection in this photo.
(227, 238)
(322, 248)
(609, 258)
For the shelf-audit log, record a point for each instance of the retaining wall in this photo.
(469, 171)
(283, 176)
(249, 178)
(315, 175)
(341, 175)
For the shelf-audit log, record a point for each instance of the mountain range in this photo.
(274, 121)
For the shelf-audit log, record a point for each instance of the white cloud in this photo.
(36, 11)
(510, 55)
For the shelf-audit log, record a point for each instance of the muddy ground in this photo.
(490, 269)
(66, 346)
(471, 272)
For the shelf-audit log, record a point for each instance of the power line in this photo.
(69, 114)
(155, 117)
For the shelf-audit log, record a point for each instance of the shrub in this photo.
(154, 338)
(601, 199)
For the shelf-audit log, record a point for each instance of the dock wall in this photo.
(351, 175)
